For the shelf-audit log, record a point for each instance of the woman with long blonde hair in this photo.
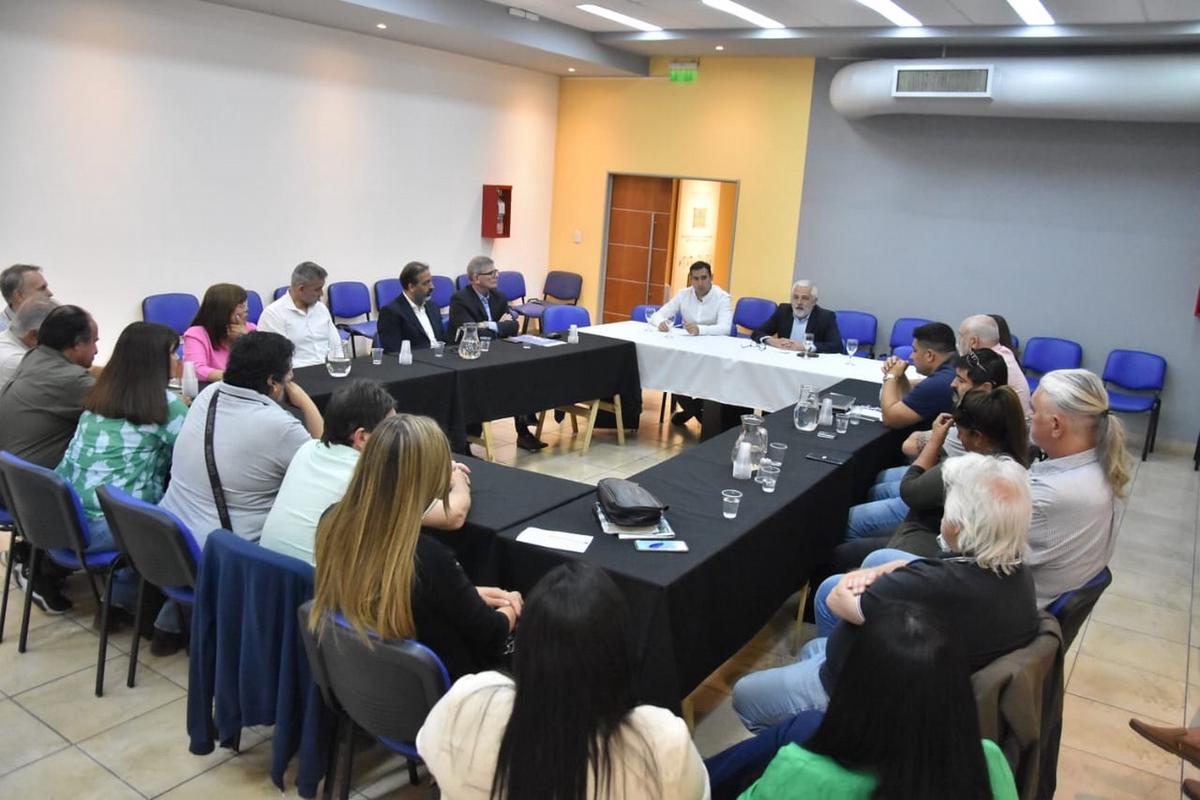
(377, 570)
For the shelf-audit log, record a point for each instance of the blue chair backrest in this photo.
(280, 292)
(902, 332)
(1136, 370)
(512, 285)
(1047, 353)
(254, 306)
(858, 325)
(462, 281)
(349, 299)
(904, 351)
(176, 310)
(1016, 342)
(158, 545)
(1072, 608)
(443, 290)
(751, 313)
(47, 508)
(560, 318)
(386, 290)
(561, 285)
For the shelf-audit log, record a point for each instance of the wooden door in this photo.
(638, 248)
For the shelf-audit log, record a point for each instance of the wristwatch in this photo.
(887, 376)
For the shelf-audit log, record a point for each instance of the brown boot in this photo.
(1181, 742)
(1191, 789)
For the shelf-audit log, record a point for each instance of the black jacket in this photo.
(398, 322)
(465, 307)
(822, 325)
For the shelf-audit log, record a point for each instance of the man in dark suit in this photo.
(481, 303)
(791, 321)
(412, 315)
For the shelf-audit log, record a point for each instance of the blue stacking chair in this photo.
(638, 314)
(386, 290)
(159, 548)
(348, 299)
(560, 318)
(904, 351)
(902, 334)
(750, 313)
(280, 292)
(1047, 353)
(512, 285)
(861, 326)
(176, 310)
(462, 281)
(1016, 340)
(564, 287)
(254, 306)
(9, 524)
(1072, 608)
(387, 688)
(1137, 371)
(50, 517)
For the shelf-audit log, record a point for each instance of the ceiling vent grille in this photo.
(942, 81)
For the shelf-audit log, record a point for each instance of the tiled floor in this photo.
(1138, 655)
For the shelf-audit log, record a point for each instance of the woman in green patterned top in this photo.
(127, 431)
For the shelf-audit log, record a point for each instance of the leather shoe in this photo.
(1191, 789)
(1181, 742)
(680, 419)
(527, 441)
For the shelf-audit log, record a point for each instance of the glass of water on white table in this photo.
(851, 349)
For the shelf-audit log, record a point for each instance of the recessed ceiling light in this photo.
(570, 69)
(719, 47)
(618, 17)
(739, 10)
(1032, 12)
(381, 26)
(892, 12)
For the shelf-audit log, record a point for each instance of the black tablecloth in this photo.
(418, 388)
(500, 498)
(510, 380)
(694, 610)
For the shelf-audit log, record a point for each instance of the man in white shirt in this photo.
(706, 311)
(981, 331)
(19, 284)
(1076, 489)
(411, 317)
(321, 470)
(21, 336)
(705, 308)
(303, 318)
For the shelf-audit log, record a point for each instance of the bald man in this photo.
(791, 321)
(979, 332)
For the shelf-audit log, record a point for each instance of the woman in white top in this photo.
(565, 725)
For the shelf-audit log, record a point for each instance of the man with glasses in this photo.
(981, 331)
(480, 302)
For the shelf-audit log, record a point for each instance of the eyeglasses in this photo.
(489, 272)
(974, 361)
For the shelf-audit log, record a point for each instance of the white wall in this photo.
(164, 145)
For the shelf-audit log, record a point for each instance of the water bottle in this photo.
(573, 335)
(406, 352)
(189, 385)
(826, 417)
(807, 411)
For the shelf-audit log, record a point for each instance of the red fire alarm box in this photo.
(497, 212)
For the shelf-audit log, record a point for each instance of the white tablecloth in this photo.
(735, 371)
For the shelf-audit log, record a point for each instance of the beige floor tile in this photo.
(24, 738)
(1155, 589)
(70, 706)
(54, 650)
(381, 773)
(1193, 671)
(1121, 646)
(719, 728)
(1102, 730)
(1134, 690)
(173, 668)
(1172, 567)
(66, 775)
(12, 620)
(1083, 776)
(246, 776)
(1135, 615)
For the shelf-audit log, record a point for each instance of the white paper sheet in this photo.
(556, 540)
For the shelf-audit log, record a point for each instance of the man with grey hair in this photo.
(787, 327)
(980, 331)
(301, 316)
(19, 284)
(21, 336)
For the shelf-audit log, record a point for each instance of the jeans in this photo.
(770, 696)
(826, 619)
(867, 519)
(731, 771)
(887, 484)
(125, 581)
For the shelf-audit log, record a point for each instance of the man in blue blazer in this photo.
(412, 315)
(791, 321)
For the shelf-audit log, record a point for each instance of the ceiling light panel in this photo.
(892, 13)
(1032, 12)
(618, 17)
(745, 13)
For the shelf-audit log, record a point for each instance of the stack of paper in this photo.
(536, 341)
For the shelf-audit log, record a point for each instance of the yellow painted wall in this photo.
(744, 119)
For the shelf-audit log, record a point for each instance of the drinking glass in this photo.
(439, 349)
(769, 476)
(485, 344)
(337, 360)
(851, 349)
(777, 451)
(810, 344)
(376, 355)
(730, 500)
(649, 314)
(841, 423)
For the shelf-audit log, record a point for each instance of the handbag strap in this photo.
(211, 462)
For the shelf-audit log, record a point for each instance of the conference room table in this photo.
(508, 380)
(692, 611)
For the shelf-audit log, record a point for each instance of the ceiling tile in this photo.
(1172, 10)
(1095, 12)
(988, 12)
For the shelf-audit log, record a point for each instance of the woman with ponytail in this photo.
(1076, 489)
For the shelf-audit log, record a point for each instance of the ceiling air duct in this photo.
(1158, 88)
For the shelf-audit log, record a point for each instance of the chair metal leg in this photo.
(137, 634)
(7, 581)
(104, 609)
(1146, 442)
(35, 561)
(1154, 423)
(413, 777)
(331, 760)
(348, 758)
(1195, 467)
